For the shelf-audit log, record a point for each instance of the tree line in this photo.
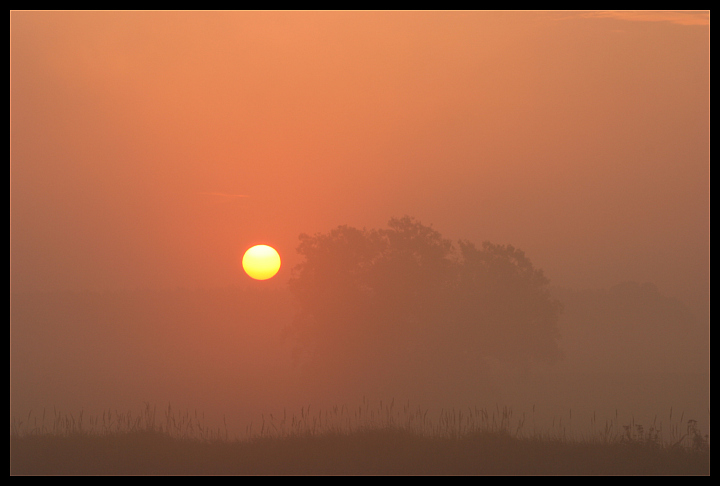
(409, 299)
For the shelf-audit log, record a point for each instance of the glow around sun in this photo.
(261, 262)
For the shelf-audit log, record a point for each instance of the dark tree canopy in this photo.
(405, 297)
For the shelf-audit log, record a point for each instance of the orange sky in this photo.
(580, 137)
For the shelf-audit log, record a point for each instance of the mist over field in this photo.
(227, 352)
(471, 208)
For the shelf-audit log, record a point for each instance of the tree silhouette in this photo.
(404, 299)
(508, 303)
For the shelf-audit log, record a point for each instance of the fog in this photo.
(149, 150)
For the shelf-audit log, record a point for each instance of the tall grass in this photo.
(385, 438)
(173, 424)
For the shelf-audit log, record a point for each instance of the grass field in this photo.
(342, 441)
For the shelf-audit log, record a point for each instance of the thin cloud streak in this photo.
(698, 17)
(221, 194)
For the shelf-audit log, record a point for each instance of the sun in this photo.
(261, 262)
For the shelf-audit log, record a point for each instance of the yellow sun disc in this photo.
(261, 262)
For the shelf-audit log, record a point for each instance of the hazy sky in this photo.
(150, 149)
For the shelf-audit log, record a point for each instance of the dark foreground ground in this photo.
(372, 452)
